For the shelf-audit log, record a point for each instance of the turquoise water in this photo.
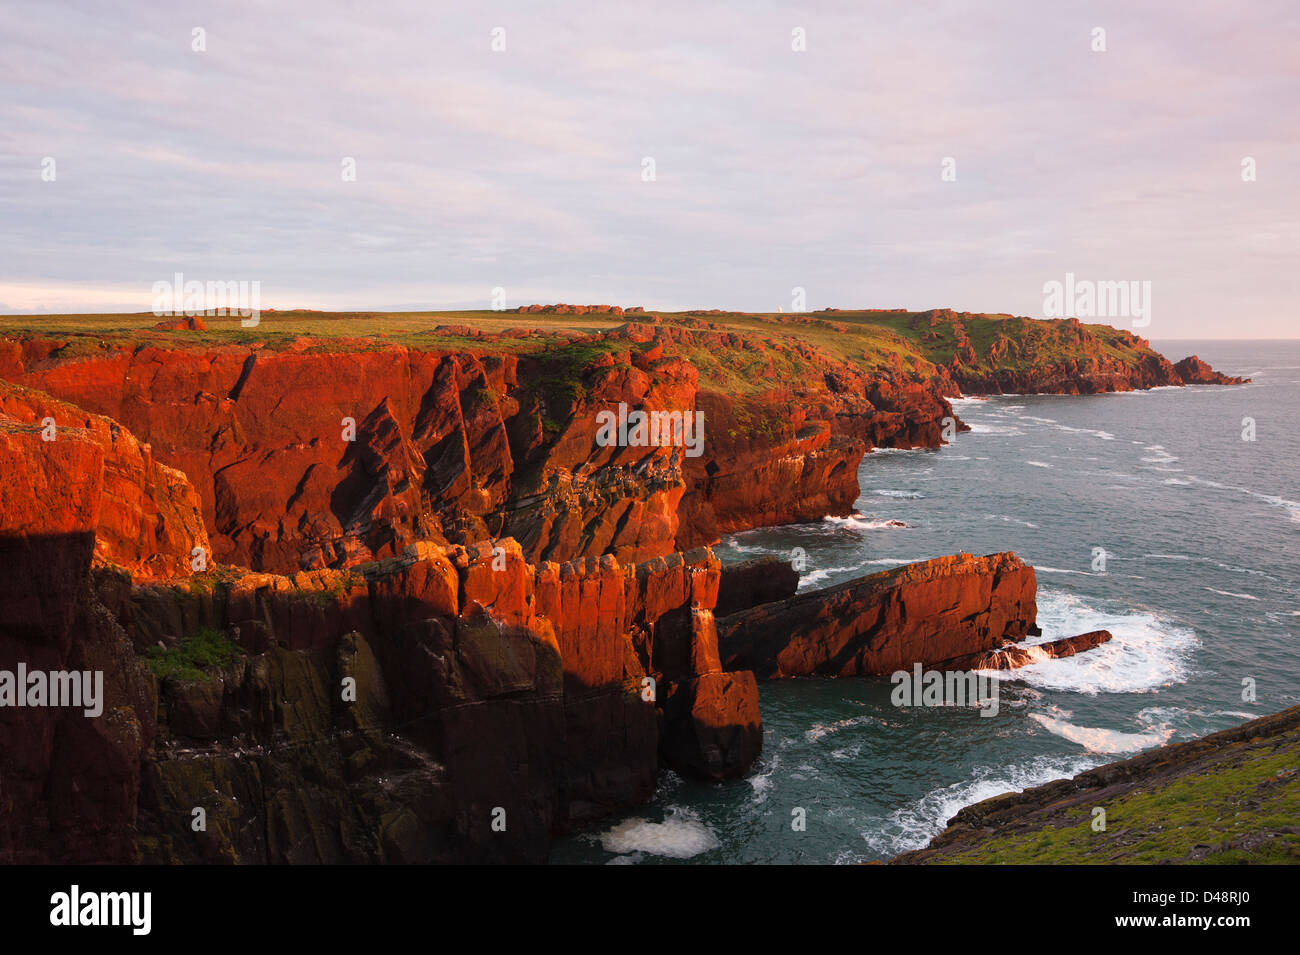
(1201, 588)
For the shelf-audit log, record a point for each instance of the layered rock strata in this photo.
(937, 613)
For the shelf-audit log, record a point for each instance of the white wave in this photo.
(1177, 482)
(761, 782)
(913, 826)
(680, 836)
(885, 451)
(1273, 499)
(1038, 464)
(1146, 651)
(1008, 520)
(980, 428)
(1029, 417)
(1104, 435)
(887, 492)
(862, 522)
(822, 574)
(1190, 721)
(1229, 593)
(820, 730)
(1097, 740)
(1230, 568)
(744, 548)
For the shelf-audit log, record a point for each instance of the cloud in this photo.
(774, 168)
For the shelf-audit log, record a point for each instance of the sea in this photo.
(1170, 517)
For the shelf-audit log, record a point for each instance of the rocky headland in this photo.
(386, 598)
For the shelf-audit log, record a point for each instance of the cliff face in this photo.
(70, 782)
(406, 444)
(1227, 798)
(332, 451)
(936, 612)
(148, 518)
(312, 458)
(390, 715)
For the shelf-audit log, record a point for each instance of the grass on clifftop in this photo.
(194, 658)
(773, 347)
(1245, 813)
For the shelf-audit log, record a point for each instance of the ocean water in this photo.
(1200, 587)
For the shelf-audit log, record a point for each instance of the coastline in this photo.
(451, 456)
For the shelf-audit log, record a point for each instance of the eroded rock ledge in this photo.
(936, 612)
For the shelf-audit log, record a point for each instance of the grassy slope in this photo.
(1232, 797)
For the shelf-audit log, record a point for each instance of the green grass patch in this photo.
(195, 657)
(1220, 815)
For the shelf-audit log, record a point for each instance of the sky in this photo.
(127, 155)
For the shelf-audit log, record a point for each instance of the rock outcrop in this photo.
(1193, 371)
(402, 446)
(148, 517)
(1013, 656)
(936, 613)
(192, 324)
(562, 309)
(70, 781)
(752, 582)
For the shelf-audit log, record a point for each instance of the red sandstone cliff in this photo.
(147, 519)
(70, 783)
(935, 613)
(480, 682)
(455, 447)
